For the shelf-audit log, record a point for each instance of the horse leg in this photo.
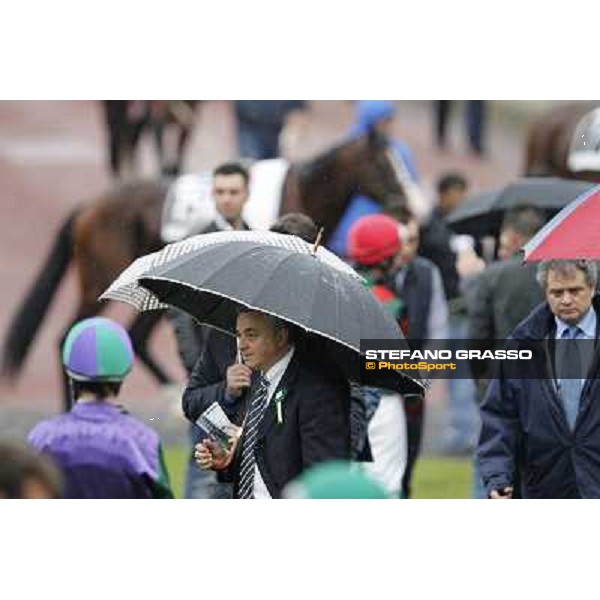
(134, 133)
(538, 142)
(158, 132)
(186, 125)
(115, 112)
(139, 332)
(182, 140)
(182, 124)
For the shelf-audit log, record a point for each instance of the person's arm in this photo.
(216, 378)
(481, 332)
(189, 336)
(437, 320)
(207, 384)
(499, 438)
(324, 423)
(435, 245)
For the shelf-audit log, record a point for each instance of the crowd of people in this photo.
(537, 426)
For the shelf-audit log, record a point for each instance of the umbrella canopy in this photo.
(573, 233)
(211, 276)
(482, 214)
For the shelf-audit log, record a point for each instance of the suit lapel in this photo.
(286, 384)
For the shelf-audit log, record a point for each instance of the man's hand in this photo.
(238, 378)
(504, 493)
(210, 455)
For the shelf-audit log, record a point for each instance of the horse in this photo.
(557, 142)
(169, 121)
(102, 237)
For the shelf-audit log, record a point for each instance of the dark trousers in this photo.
(115, 114)
(415, 413)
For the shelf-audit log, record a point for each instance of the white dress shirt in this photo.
(273, 376)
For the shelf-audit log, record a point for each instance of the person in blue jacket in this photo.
(377, 115)
(541, 417)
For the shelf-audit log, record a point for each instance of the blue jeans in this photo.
(203, 484)
(462, 405)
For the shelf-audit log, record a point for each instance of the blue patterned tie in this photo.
(571, 375)
(256, 411)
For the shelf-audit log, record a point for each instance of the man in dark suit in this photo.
(210, 358)
(295, 412)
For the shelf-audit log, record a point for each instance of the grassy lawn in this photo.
(435, 477)
(176, 458)
(441, 477)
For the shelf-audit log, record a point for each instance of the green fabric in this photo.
(162, 486)
(337, 480)
(395, 306)
(112, 355)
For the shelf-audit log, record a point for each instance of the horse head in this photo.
(376, 173)
(362, 165)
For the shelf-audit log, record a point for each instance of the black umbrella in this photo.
(213, 275)
(482, 214)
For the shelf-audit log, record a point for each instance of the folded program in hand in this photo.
(214, 422)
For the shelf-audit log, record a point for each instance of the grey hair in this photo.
(275, 323)
(524, 220)
(566, 268)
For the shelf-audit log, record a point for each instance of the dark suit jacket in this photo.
(435, 246)
(207, 380)
(315, 427)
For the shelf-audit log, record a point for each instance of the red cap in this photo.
(374, 238)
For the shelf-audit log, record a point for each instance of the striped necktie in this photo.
(256, 411)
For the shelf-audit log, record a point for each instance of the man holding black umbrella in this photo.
(212, 276)
(296, 412)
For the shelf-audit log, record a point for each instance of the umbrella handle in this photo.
(318, 240)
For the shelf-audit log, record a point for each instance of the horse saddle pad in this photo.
(189, 206)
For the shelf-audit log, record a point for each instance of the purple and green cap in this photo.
(97, 349)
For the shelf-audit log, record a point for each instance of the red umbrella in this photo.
(573, 233)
